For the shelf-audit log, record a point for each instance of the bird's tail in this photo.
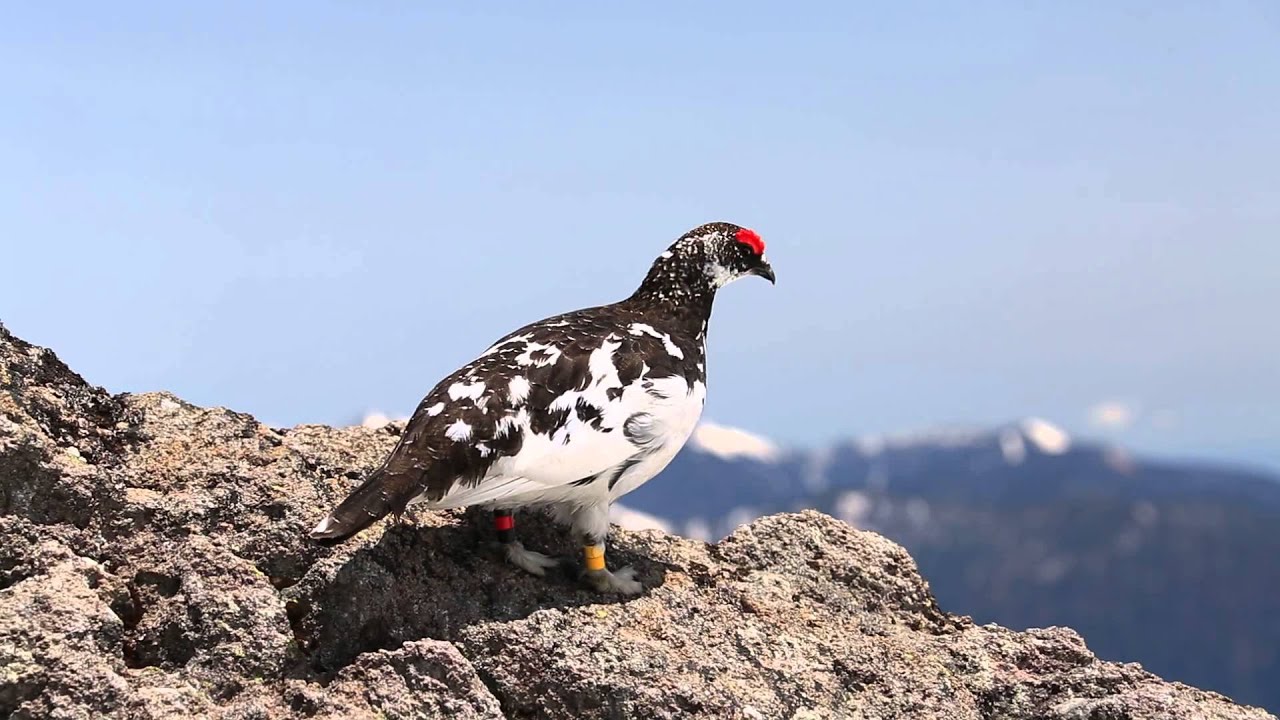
(381, 493)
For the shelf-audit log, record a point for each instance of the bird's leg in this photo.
(592, 524)
(504, 522)
(400, 515)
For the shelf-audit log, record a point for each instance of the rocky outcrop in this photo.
(153, 563)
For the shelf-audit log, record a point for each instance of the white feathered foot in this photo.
(534, 563)
(621, 581)
(530, 561)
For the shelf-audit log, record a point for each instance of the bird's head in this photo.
(729, 252)
(706, 259)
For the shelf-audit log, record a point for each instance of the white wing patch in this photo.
(459, 431)
(457, 391)
(600, 364)
(435, 410)
(518, 390)
(509, 423)
(550, 353)
(673, 350)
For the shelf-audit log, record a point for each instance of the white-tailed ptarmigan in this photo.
(569, 413)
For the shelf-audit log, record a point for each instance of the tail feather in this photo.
(380, 494)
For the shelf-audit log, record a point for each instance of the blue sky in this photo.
(977, 213)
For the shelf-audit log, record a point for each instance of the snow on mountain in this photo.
(853, 507)
(375, 419)
(1043, 435)
(630, 519)
(1049, 438)
(1012, 446)
(730, 443)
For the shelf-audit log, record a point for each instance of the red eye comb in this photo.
(751, 239)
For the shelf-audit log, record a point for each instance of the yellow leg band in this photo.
(594, 555)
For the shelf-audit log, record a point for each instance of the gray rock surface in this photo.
(153, 564)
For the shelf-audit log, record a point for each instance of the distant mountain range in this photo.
(1174, 565)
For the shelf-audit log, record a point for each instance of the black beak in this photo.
(765, 270)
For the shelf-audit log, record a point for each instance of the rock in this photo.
(60, 644)
(423, 677)
(153, 564)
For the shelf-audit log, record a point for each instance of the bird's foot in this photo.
(534, 563)
(405, 516)
(621, 581)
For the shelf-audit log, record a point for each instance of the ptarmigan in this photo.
(569, 413)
